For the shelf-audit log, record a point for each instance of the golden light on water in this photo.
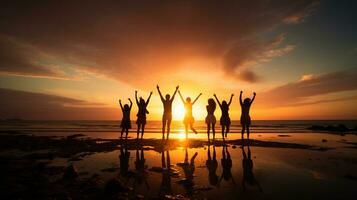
(181, 135)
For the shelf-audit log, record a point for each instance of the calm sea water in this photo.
(106, 128)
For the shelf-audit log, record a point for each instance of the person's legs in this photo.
(138, 131)
(122, 131)
(168, 127)
(227, 129)
(186, 129)
(243, 129)
(208, 130)
(127, 132)
(193, 129)
(163, 126)
(223, 127)
(213, 130)
(142, 130)
(248, 131)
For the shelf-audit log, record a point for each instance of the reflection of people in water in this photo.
(189, 169)
(165, 187)
(140, 168)
(212, 164)
(124, 161)
(226, 163)
(189, 120)
(248, 176)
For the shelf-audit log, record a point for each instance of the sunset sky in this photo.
(75, 59)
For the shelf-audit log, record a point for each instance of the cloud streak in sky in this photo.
(29, 105)
(126, 39)
(300, 92)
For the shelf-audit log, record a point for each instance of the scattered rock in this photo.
(203, 188)
(70, 173)
(351, 177)
(110, 169)
(282, 135)
(114, 186)
(74, 136)
(338, 128)
(156, 169)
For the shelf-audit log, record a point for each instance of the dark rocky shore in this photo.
(29, 175)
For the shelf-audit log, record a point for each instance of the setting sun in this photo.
(178, 112)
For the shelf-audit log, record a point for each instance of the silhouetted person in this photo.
(189, 169)
(140, 168)
(125, 122)
(167, 116)
(142, 111)
(165, 187)
(212, 164)
(210, 118)
(245, 118)
(226, 163)
(225, 120)
(248, 175)
(124, 161)
(188, 120)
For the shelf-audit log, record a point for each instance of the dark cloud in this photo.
(300, 92)
(28, 105)
(120, 37)
(19, 59)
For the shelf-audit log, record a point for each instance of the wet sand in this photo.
(37, 167)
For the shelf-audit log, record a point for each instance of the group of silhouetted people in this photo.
(188, 120)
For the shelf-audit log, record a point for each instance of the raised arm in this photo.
(183, 101)
(219, 103)
(196, 98)
(158, 89)
(136, 97)
(240, 98)
(147, 101)
(253, 98)
(173, 96)
(121, 106)
(230, 101)
(131, 104)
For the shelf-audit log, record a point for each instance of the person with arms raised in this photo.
(167, 116)
(188, 120)
(142, 111)
(245, 120)
(125, 122)
(225, 121)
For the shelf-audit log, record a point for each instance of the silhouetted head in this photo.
(141, 101)
(167, 97)
(213, 178)
(246, 101)
(188, 100)
(211, 103)
(225, 104)
(126, 107)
